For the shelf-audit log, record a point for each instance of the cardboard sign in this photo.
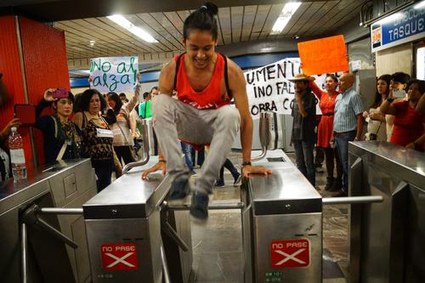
(117, 74)
(290, 253)
(119, 256)
(325, 55)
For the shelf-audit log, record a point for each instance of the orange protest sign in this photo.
(325, 55)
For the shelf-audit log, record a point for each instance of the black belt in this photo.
(328, 114)
(349, 132)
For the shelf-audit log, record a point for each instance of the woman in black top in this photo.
(61, 136)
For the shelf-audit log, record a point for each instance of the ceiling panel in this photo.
(237, 23)
(225, 25)
(326, 12)
(272, 16)
(296, 20)
(314, 19)
(236, 18)
(260, 20)
(248, 21)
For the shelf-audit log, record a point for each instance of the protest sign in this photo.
(117, 74)
(269, 88)
(325, 55)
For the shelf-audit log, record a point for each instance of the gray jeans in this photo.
(173, 119)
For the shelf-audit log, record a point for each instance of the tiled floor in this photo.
(217, 245)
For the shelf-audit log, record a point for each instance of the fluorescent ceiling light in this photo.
(419, 5)
(139, 32)
(287, 12)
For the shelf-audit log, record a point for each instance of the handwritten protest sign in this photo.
(116, 74)
(269, 88)
(324, 55)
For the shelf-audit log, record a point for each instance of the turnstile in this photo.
(32, 248)
(124, 223)
(281, 217)
(387, 241)
(282, 225)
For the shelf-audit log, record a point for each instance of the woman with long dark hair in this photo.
(123, 139)
(376, 122)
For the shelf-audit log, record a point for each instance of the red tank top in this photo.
(210, 97)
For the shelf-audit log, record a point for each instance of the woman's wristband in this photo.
(246, 163)
(390, 100)
(162, 160)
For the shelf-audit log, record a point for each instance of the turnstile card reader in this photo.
(286, 226)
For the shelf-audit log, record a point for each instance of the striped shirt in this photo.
(347, 106)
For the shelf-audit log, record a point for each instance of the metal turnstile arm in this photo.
(30, 216)
(145, 160)
(58, 210)
(353, 200)
(24, 258)
(168, 229)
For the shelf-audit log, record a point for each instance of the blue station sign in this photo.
(404, 26)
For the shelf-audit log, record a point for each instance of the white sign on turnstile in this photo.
(290, 253)
(119, 256)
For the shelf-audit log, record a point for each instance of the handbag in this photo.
(374, 136)
(132, 150)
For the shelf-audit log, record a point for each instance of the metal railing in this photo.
(146, 156)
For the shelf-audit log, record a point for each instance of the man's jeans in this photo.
(304, 158)
(342, 140)
(187, 151)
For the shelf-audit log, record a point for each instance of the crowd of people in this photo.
(191, 110)
(397, 115)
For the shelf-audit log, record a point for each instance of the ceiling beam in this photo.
(59, 10)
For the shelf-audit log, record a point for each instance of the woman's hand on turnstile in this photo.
(156, 167)
(258, 170)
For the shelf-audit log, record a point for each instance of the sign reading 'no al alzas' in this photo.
(117, 74)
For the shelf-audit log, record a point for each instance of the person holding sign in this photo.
(303, 136)
(205, 82)
(325, 129)
(123, 139)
